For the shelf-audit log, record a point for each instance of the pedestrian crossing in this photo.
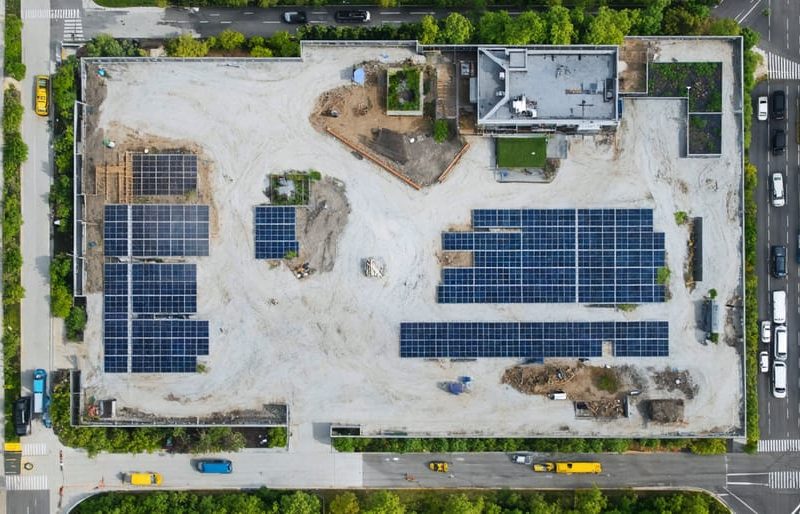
(26, 482)
(781, 68)
(784, 480)
(73, 30)
(779, 445)
(34, 449)
(50, 14)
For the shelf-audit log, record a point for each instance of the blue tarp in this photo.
(359, 76)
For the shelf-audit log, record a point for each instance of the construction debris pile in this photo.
(664, 411)
(538, 379)
(374, 267)
(671, 379)
(608, 408)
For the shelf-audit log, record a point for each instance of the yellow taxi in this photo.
(42, 95)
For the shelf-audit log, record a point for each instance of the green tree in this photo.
(12, 110)
(283, 45)
(723, 27)
(590, 501)
(15, 151)
(492, 27)
(685, 19)
(62, 148)
(526, 28)
(186, 46)
(230, 40)
(457, 29)
(345, 503)
(63, 87)
(300, 502)
(650, 18)
(13, 294)
(559, 26)
(75, 323)
(428, 30)
(104, 45)
(460, 504)
(608, 27)
(260, 51)
(256, 41)
(384, 502)
(14, 66)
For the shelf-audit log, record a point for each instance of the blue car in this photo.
(214, 466)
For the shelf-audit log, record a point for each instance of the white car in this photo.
(766, 332)
(763, 361)
(763, 102)
(778, 192)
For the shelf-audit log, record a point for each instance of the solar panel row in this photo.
(134, 339)
(164, 174)
(275, 232)
(536, 340)
(556, 256)
(155, 230)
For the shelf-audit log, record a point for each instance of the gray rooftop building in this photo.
(547, 87)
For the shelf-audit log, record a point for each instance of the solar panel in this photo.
(537, 340)
(275, 232)
(156, 230)
(164, 174)
(164, 288)
(167, 345)
(556, 256)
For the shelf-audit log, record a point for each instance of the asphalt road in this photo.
(780, 30)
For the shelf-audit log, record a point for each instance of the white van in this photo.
(779, 380)
(781, 344)
(779, 307)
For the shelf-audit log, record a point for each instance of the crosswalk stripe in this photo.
(26, 482)
(34, 449)
(784, 480)
(50, 14)
(73, 29)
(781, 68)
(779, 445)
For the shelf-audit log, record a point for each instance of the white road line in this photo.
(225, 22)
(214, 14)
(740, 20)
(248, 13)
(34, 449)
(26, 482)
(784, 480)
(392, 21)
(421, 12)
(270, 22)
(203, 21)
(319, 12)
(389, 13)
(778, 445)
(50, 14)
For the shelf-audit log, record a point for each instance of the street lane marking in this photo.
(741, 18)
(73, 29)
(50, 14)
(421, 12)
(34, 449)
(778, 445)
(784, 480)
(388, 13)
(248, 13)
(781, 68)
(225, 22)
(271, 22)
(26, 482)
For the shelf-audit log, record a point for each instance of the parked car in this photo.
(42, 105)
(22, 416)
(145, 478)
(352, 16)
(438, 466)
(778, 190)
(779, 379)
(779, 261)
(763, 361)
(763, 102)
(766, 331)
(295, 17)
(779, 104)
(521, 458)
(223, 466)
(778, 142)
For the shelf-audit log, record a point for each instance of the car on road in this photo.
(22, 416)
(778, 142)
(779, 261)
(778, 190)
(438, 466)
(296, 17)
(42, 106)
(352, 16)
(763, 361)
(145, 478)
(781, 343)
(763, 102)
(521, 458)
(223, 466)
(779, 379)
(766, 331)
(779, 104)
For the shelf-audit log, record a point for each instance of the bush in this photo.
(186, 46)
(441, 131)
(277, 437)
(75, 323)
(230, 40)
(681, 217)
(662, 275)
(13, 53)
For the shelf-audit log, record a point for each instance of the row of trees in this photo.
(15, 152)
(232, 43)
(587, 501)
(62, 305)
(571, 445)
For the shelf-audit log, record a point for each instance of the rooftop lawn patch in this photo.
(404, 92)
(519, 152)
(705, 134)
(703, 80)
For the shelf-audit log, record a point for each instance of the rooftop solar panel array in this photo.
(164, 174)
(275, 232)
(149, 230)
(556, 256)
(534, 340)
(139, 333)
